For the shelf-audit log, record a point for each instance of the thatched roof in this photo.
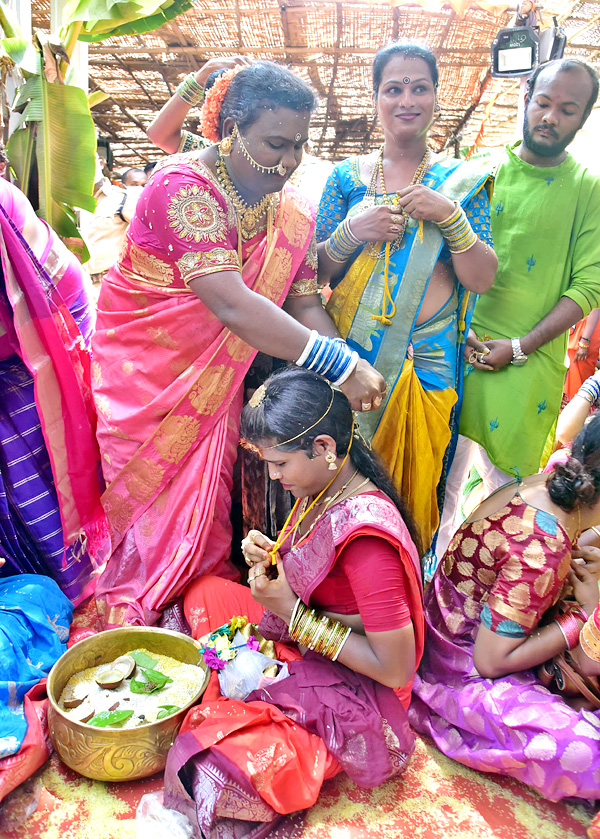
(330, 43)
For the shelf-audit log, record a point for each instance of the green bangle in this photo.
(190, 91)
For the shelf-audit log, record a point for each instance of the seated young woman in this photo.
(490, 624)
(343, 604)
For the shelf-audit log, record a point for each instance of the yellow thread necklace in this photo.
(283, 536)
(374, 250)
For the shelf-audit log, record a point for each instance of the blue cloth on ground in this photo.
(35, 617)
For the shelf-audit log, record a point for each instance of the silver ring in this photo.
(366, 406)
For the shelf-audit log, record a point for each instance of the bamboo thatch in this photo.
(330, 43)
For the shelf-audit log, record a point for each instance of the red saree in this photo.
(245, 769)
(168, 383)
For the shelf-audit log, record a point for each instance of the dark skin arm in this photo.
(557, 321)
(591, 322)
(497, 655)
(165, 129)
(309, 311)
(588, 591)
(385, 657)
(248, 315)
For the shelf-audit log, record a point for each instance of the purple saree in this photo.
(504, 571)
(49, 493)
(247, 769)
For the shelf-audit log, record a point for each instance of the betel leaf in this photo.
(166, 711)
(105, 718)
(143, 660)
(156, 676)
(155, 681)
(143, 687)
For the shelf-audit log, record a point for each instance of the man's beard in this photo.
(545, 149)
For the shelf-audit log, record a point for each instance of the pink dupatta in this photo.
(52, 348)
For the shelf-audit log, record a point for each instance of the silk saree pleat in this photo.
(51, 346)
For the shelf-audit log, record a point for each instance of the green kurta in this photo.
(546, 227)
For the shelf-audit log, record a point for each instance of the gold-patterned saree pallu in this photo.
(168, 387)
(413, 429)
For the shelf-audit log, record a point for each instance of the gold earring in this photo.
(330, 458)
(226, 143)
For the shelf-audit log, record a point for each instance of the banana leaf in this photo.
(109, 18)
(20, 150)
(66, 150)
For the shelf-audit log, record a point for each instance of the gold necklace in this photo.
(330, 498)
(248, 215)
(371, 200)
(328, 503)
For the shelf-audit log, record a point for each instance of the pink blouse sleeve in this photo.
(305, 281)
(182, 217)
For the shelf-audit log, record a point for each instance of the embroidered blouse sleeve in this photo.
(477, 211)
(190, 219)
(305, 281)
(333, 206)
(530, 575)
(190, 142)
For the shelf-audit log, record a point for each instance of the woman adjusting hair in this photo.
(339, 593)
(405, 240)
(218, 244)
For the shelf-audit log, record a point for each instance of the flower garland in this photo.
(213, 101)
(219, 648)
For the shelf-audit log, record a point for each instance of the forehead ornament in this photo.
(405, 80)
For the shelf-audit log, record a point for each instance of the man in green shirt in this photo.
(546, 227)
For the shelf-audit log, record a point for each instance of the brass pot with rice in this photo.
(117, 700)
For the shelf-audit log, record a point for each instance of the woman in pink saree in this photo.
(217, 245)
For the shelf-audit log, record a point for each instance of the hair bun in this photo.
(572, 485)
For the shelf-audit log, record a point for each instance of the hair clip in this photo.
(257, 397)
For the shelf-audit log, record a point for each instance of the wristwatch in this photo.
(519, 358)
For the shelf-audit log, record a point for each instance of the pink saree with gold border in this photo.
(168, 383)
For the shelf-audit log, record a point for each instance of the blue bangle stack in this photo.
(590, 390)
(331, 358)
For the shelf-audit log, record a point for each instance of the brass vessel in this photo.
(112, 754)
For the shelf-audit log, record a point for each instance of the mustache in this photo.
(552, 131)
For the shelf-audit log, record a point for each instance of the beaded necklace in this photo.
(248, 215)
(371, 200)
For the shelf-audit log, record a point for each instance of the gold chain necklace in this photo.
(371, 199)
(249, 215)
(328, 502)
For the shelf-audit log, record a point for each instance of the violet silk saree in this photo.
(504, 571)
(168, 380)
(248, 769)
(51, 519)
